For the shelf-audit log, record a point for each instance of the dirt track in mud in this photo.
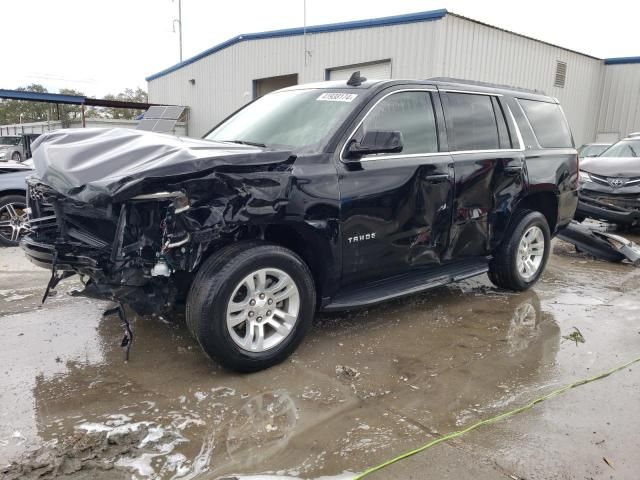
(365, 386)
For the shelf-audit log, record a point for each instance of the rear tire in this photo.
(16, 157)
(227, 309)
(520, 260)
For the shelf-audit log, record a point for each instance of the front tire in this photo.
(250, 305)
(520, 260)
(16, 157)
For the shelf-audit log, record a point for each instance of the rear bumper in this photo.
(591, 208)
(42, 255)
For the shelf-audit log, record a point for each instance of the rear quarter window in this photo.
(548, 123)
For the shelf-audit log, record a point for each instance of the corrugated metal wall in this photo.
(453, 46)
(480, 52)
(620, 104)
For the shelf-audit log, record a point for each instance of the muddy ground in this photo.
(364, 387)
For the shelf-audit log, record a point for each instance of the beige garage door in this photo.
(263, 86)
(377, 70)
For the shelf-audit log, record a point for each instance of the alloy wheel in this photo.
(263, 310)
(13, 221)
(530, 253)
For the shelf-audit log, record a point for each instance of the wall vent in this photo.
(561, 74)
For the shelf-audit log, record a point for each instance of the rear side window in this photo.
(471, 122)
(410, 113)
(548, 123)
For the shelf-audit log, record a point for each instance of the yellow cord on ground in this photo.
(502, 416)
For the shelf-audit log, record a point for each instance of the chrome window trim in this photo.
(444, 152)
(453, 90)
(408, 155)
(353, 132)
(491, 150)
(517, 128)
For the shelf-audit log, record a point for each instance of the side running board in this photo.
(407, 284)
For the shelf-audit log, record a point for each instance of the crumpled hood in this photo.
(611, 166)
(97, 165)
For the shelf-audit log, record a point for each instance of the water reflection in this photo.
(262, 427)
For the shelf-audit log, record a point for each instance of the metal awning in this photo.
(72, 99)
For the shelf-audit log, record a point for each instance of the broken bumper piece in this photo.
(599, 210)
(602, 245)
(42, 254)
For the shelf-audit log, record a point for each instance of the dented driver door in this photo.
(396, 209)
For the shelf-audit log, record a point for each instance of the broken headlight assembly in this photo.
(180, 199)
(584, 177)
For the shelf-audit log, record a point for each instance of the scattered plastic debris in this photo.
(575, 336)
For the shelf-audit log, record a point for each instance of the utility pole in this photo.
(179, 22)
(304, 34)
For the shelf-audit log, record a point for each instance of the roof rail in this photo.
(485, 84)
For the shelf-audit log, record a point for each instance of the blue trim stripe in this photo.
(42, 97)
(621, 60)
(290, 32)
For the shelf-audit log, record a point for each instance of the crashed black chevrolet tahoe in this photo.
(324, 197)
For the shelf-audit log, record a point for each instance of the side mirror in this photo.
(376, 141)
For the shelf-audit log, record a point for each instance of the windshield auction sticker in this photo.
(337, 97)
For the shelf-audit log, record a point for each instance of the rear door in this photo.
(489, 169)
(396, 208)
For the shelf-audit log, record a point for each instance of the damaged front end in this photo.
(121, 248)
(137, 232)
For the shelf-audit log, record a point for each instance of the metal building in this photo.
(601, 98)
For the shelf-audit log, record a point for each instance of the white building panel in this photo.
(378, 70)
(620, 104)
(443, 46)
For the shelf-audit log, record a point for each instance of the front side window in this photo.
(9, 140)
(624, 148)
(548, 123)
(301, 120)
(411, 114)
(471, 122)
(592, 150)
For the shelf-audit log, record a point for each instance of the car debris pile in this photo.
(600, 244)
(610, 192)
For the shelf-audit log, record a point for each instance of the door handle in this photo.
(513, 169)
(435, 178)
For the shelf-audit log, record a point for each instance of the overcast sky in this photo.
(102, 47)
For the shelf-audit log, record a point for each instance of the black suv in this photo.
(326, 197)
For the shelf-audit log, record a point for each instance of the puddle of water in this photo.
(365, 385)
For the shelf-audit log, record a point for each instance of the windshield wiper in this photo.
(244, 142)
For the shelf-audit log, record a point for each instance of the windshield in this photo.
(9, 140)
(293, 119)
(592, 150)
(624, 148)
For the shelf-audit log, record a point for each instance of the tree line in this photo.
(21, 111)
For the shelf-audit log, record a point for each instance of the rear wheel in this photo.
(16, 157)
(520, 260)
(13, 219)
(250, 305)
